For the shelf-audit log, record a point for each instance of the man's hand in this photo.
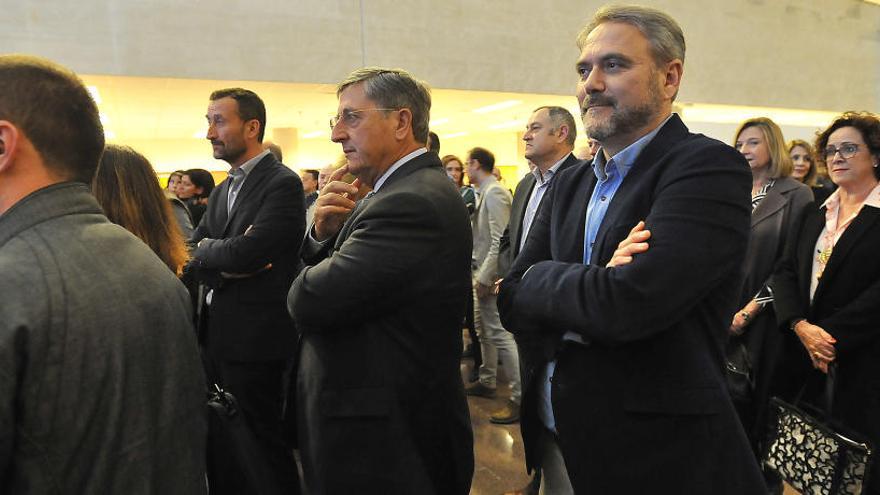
(334, 204)
(743, 317)
(635, 243)
(484, 291)
(818, 343)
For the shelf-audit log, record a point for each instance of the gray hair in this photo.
(395, 88)
(661, 30)
(559, 117)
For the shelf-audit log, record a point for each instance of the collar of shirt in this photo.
(249, 165)
(873, 199)
(382, 178)
(485, 183)
(625, 158)
(541, 179)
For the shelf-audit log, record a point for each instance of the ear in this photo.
(252, 128)
(672, 77)
(564, 131)
(404, 123)
(10, 144)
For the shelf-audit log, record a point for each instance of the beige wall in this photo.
(815, 54)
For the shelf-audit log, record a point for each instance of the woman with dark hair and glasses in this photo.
(827, 288)
(194, 189)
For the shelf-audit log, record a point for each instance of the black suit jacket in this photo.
(644, 406)
(380, 401)
(511, 239)
(248, 319)
(846, 305)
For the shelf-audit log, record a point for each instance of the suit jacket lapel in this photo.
(774, 201)
(254, 178)
(671, 133)
(571, 230)
(864, 221)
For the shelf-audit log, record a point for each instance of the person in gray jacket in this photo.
(101, 387)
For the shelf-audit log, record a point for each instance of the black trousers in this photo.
(259, 388)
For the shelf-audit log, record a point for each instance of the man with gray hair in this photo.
(632, 390)
(380, 402)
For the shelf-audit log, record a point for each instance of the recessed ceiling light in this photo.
(735, 114)
(498, 106)
(438, 122)
(200, 134)
(109, 135)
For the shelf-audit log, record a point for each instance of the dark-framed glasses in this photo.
(846, 150)
(351, 117)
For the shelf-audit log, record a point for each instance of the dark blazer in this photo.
(846, 305)
(644, 406)
(248, 319)
(512, 236)
(775, 221)
(380, 401)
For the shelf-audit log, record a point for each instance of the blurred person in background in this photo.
(128, 191)
(194, 189)
(778, 203)
(827, 289)
(455, 171)
(803, 160)
(173, 181)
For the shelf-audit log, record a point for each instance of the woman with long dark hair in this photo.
(127, 188)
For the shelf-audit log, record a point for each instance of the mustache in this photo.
(216, 142)
(597, 99)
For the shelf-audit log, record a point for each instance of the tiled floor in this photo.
(499, 462)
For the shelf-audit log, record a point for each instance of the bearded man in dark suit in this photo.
(247, 255)
(633, 335)
(380, 401)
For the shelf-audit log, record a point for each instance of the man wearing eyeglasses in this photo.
(380, 403)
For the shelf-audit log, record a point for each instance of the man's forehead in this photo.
(353, 97)
(223, 106)
(617, 37)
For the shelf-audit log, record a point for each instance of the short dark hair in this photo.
(560, 116)
(868, 126)
(434, 142)
(250, 106)
(484, 157)
(314, 173)
(201, 178)
(52, 107)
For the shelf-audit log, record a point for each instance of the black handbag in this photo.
(740, 380)
(228, 430)
(814, 454)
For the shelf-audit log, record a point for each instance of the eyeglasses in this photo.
(846, 150)
(351, 117)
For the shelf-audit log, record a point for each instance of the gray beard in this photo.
(621, 121)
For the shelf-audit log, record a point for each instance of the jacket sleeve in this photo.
(497, 204)
(278, 227)
(699, 222)
(393, 238)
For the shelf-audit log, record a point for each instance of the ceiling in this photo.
(164, 118)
